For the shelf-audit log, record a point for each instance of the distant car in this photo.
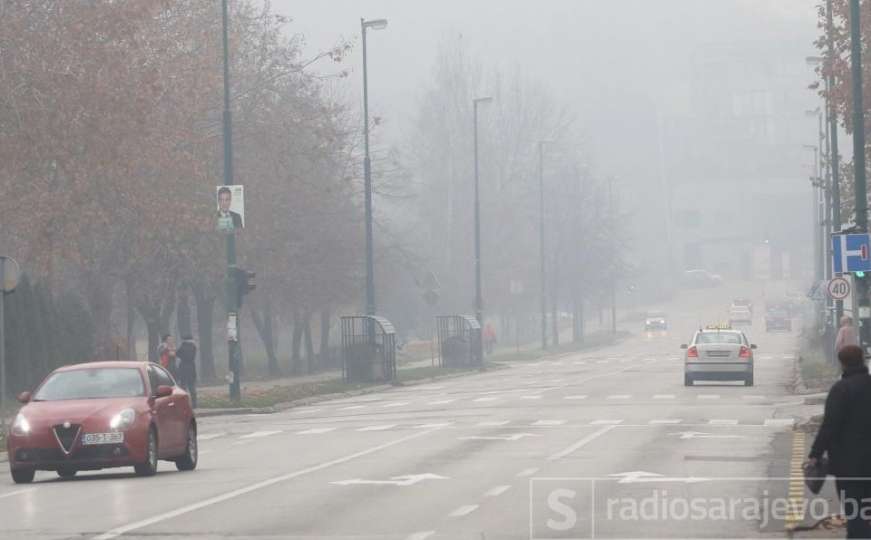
(740, 316)
(742, 303)
(100, 415)
(718, 353)
(699, 279)
(778, 319)
(655, 321)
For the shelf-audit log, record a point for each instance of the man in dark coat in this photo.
(845, 435)
(187, 367)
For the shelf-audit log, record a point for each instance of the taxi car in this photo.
(99, 415)
(718, 353)
(655, 321)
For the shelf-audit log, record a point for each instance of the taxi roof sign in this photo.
(720, 326)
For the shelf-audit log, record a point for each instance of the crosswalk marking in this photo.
(530, 397)
(442, 401)
(619, 396)
(779, 421)
(377, 428)
(576, 397)
(709, 396)
(483, 399)
(666, 421)
(548, 422)
(352, 408)
(316, 431)
(258, 434)
(664, 396)
(605, 422)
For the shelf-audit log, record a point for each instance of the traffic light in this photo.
(245, 283)
(860, 274)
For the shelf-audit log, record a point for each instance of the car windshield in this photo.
(718, 337)
(91, 384)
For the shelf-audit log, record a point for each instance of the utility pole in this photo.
(612, 224)
(541, 244)
(860, 193)
(834, 158)
(479, 298)
(234, 348)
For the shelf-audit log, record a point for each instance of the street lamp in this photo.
(541, 241)
(374, 24)
(479, 300)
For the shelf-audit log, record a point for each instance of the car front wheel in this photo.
(188, 460)
(23, 476)
(149, 466)
(66, 472)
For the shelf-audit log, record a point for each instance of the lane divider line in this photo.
(581, 443)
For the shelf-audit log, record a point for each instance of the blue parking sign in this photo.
(850, 253)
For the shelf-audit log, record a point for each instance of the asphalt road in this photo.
(525, 452)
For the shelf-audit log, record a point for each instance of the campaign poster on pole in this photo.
(230, 201)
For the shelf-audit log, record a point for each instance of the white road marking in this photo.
(723, 422)
(464, 510)
(700, 435)
(258, 434)
(788, 356)
(316, 431)
(404, 480)
(209, 436)
(353, 407)
(548, 422)
(664, 396)
(709, 396)
(493, 423)
(482, 399)
(422, 535)
(441, 402)
(602, 361)
(605, 422)
(17, 492)
(308, 411)
(575, 397)
(619, 396)
(581, 443)
(779, 421)
(430, 426)
(496, 491)
(396, 404)
(124, 529)
(377, 428)
(635, 477)
(752, 397)
(527, 472)
(512, 437)
(530, 397)
(580, 362)
(666, 421)
(766, 357)
(650, 359)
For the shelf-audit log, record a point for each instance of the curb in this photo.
(279, 407)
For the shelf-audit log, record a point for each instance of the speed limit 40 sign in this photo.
(838, 288)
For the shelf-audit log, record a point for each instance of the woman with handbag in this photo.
(845, 437)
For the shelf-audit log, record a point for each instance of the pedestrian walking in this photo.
(187, 367)
(489, 338)
(845, 438)
(848, 334)
(166, 353)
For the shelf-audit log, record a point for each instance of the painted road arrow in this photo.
(639, 477)
(512, 437)
(404, 480)
(700, 435)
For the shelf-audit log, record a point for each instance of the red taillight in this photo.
(692, 352)
(745, 352)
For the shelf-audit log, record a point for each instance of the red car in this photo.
(100, 415)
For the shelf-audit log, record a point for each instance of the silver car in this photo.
(720, 354)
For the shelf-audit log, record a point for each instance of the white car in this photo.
(718, 353)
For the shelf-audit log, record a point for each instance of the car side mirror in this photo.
(24, 397)
(163, 391)
(684, 346)
(752, 345)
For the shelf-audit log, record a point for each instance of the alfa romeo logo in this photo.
(67, 425)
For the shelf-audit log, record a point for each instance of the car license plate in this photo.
(103, 438)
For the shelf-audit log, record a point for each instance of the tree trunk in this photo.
(324, 356)
(131, 320)
(295, 361)
(183, 315)
(264, 325)
(578, 319)
(310, 360)
(205, 320)
(100, 301)
(153, 326)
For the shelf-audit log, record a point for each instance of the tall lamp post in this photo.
(479, 299)
(234, 349)
(860, 193)
(374, 24)
(541, 242)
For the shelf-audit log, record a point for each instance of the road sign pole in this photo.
(2, 354)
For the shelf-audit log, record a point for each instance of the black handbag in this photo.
(815, 474)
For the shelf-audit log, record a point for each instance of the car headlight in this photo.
(123, 420)
(21, 426)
